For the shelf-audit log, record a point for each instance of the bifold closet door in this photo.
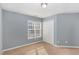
(48, 30)
(67, 30)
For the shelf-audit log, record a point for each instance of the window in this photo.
(34, 29)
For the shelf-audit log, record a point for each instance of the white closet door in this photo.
(48, 30)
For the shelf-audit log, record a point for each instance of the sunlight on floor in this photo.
(37, 51)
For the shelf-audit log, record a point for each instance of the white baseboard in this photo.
(62, 46)
(19, 46)
(48, 42)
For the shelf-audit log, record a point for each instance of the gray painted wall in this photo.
(15, 29)
(0, 31)
(67, 29)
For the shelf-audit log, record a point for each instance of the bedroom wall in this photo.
(62, 29)
(15, 29)
(0, 30)
(67, 29)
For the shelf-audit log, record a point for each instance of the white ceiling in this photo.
(34, 9)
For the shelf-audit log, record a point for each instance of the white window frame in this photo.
(34, 24)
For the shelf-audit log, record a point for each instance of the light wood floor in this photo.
(42, 48)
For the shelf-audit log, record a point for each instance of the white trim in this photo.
(62, 46)
(47, 42)
(19, 46)
(34, 24)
